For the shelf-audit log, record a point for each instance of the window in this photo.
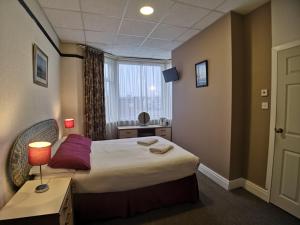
(134, 87)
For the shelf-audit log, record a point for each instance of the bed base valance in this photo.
(97, 206)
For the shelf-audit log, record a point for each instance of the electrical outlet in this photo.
(265, 105)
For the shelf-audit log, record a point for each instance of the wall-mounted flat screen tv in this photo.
(170, 74)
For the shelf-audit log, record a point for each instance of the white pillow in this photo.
(56, 145)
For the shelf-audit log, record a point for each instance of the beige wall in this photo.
(72, 87)
(285, 21)
(258, 72)
(223, 123)
(22, 102)
(202, 116)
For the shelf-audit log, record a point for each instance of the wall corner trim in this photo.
(236, 183)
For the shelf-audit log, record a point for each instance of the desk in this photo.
(144, 131)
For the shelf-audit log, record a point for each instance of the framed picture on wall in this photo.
(40, 67)
(201, 70)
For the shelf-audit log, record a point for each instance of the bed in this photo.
(124, 179)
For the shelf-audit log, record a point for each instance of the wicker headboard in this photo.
(19, 168)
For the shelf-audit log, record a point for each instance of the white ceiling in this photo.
(117, 27)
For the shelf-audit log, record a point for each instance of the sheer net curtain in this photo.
(111, 97)
(134, 87)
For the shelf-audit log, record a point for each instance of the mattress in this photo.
(122, 164)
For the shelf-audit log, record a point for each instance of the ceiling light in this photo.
(146, 10)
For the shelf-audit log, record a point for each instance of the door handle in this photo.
(279, 130)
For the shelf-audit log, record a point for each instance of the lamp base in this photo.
(42, 188)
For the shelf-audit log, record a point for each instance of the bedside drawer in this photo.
(128, 133)
(164, 132)
(66, 212)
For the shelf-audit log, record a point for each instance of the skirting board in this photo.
(256, 190)
(233, 184)
(217, 178)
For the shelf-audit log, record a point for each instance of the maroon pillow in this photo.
(79, 139)
(71, 156)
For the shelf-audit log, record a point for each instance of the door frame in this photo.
(271, 148)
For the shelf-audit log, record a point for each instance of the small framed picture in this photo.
(201, 70)
(40, 67)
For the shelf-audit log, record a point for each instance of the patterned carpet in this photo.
(216, 207)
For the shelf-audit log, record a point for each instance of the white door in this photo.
(285, 190)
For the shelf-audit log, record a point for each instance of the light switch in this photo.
(265, 105)
(264, 92)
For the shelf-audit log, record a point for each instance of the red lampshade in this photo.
(69, 123)
(39, 153)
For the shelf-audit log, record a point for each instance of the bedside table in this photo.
(51, 207)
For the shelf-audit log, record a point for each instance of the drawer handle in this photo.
(66, 206)
(67, 202)
(64, 210)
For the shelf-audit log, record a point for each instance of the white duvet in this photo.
(120, 165)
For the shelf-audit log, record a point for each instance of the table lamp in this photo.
(39, 154)
(69, 123)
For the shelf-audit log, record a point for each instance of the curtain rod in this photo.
(124, 57)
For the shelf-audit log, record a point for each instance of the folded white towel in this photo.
(161, 149)
(147, 142)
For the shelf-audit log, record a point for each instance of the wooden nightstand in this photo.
(51, 207)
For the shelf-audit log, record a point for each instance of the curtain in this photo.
(111, 98)
(132, 88)
(94, 94)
